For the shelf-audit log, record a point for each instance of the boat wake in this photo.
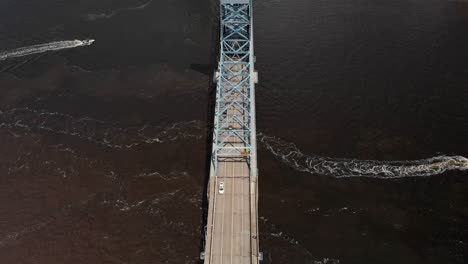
(41, 48)
(341, 168)
(93, 17)
(23, 121)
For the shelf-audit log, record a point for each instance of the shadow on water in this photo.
(210, 111)
(203, 68)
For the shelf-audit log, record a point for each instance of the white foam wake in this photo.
(24, 120)
(340, 168)
(93, 17)
(41, 48)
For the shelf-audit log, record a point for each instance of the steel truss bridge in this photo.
(232, 223)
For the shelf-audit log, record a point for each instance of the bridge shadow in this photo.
(210, 111)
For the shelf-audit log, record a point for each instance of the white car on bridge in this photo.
(221, 188)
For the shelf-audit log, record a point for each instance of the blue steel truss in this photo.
(233, 116)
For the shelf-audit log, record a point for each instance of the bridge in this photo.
(232, 226)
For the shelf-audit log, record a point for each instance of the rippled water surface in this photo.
(103, 147)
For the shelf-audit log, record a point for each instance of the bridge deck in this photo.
(232, 217)
(232, 226)
(231, 229)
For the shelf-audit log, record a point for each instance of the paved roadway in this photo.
(231, 231)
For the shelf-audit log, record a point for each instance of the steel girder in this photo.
(233, 116)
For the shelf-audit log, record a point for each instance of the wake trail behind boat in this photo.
(342, 168)
(93, 17)
(41, 48)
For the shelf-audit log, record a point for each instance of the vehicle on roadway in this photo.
(221, 188)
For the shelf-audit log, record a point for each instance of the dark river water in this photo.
(103, 148)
